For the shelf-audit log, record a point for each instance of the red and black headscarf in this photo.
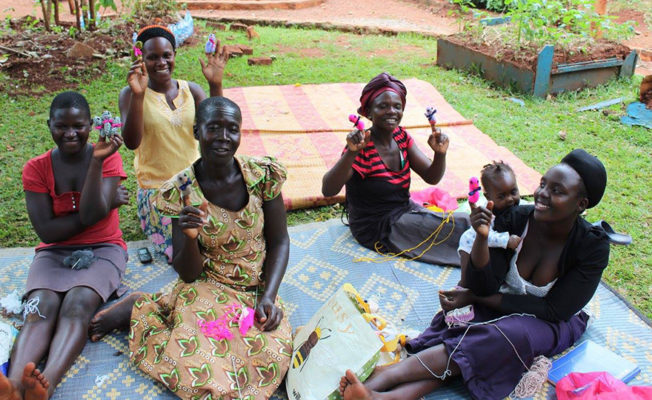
(381, 83)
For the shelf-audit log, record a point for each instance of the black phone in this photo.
(144, 256)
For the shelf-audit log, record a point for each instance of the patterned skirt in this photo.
(157, 227)
(166, 343)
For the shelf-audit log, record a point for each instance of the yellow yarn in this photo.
(434, 242)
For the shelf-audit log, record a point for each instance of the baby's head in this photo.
(499, 184)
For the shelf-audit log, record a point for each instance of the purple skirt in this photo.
(489, 365)
(104, 276)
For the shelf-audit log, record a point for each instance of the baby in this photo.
(499, 184)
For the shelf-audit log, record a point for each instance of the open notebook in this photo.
(589, 356)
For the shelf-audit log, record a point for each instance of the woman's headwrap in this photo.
(381, 83)
(592, 172)
(153, 31)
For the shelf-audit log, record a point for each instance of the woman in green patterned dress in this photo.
(231, 246)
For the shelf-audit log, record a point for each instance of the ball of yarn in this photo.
(533, 380)
(80, 259)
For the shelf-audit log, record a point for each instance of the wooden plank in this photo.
(601, 104)
(627, 69)
(586, 65)
(544, 68)
(452, 55)
(578, 80)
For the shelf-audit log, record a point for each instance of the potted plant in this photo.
(546, 47)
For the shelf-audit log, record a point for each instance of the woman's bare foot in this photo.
(114, 317)
(35, 384)
(354, 389)
(344, 382)
(7, 389)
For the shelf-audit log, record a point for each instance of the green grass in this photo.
(531, 132)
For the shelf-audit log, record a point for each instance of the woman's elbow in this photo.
(187, 279)
(184, 275)
(327, 189)
(327, 192)
(96, 215)
(131, 144)
(433, 179)
(280, 243)
(46, 238)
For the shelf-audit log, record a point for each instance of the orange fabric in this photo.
(305, 126)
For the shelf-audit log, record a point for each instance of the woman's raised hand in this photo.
(481, 218)
(213, 67)
(268, 315)
(357, 140)
(438, 141)
(104, 148)
(137, 77)
(192, 218)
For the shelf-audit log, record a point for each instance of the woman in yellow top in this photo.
(158, 114)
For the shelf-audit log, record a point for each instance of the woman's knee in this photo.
(80, 303)
(41, 304)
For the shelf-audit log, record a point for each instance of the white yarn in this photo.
(12, 303)
(31, 307)
(100, 379)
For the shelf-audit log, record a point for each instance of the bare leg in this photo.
(115, 317)
(77, 308)
(352, 389)
(34, 338)
(411, 370)
(34, 382)
(413, 390)
(7, 389)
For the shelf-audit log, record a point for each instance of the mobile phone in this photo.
(144, 256)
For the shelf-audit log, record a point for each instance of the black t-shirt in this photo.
(582, 261)
(375, 195)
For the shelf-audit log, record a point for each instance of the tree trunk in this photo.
(55, 4)
(600, 8)
(45, 7)
(78, 15)
(91, 10)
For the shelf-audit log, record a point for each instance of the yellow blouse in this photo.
(168, 145)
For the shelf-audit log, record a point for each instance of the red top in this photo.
(38, 177)
(369, 164)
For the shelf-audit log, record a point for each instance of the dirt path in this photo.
(394, 15)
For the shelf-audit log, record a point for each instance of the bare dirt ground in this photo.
(430, 17)
(393, 14)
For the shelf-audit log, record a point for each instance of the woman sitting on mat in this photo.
(158, 114)
(525, 302)
(69, 193)
(375, 167)
(231, 249)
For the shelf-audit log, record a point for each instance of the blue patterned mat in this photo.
(321, 260)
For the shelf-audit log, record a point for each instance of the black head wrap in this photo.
(379, 84)
(154, 31)
(592, 172)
